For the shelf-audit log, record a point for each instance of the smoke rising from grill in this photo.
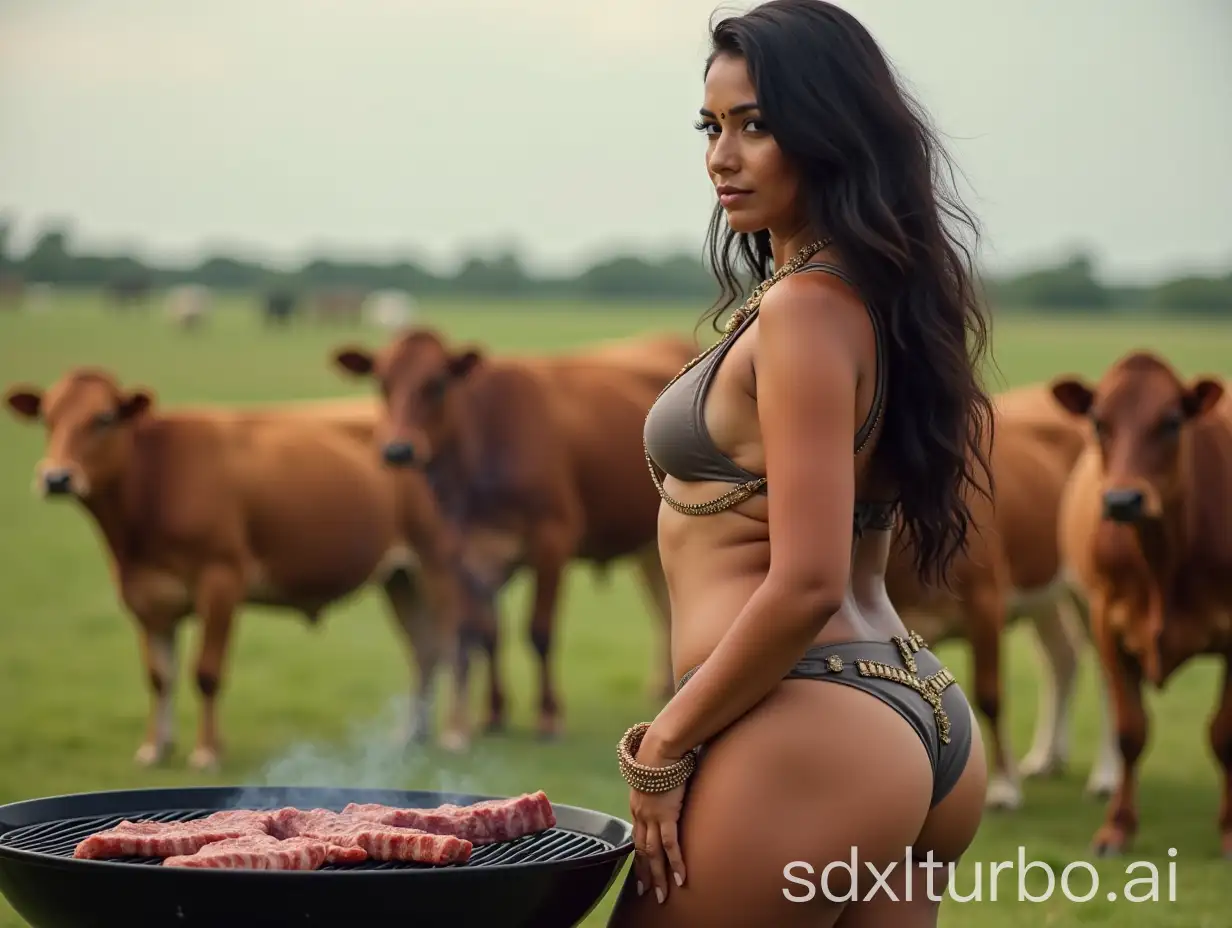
(372, 756)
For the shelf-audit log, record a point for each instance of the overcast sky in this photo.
(428, 126)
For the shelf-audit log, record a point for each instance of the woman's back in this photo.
(844, 397)
(704, 431)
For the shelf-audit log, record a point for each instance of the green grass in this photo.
(313, 705)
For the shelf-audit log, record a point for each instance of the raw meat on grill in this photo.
(256, 852)
(378, 840)
(483, 822)
(171, 839)
(231, 839)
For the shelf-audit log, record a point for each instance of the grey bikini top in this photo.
(678, 442)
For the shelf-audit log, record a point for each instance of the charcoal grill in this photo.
(554, 878)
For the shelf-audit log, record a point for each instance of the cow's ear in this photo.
(355, 360)
(462, 364)
(1202, 397)
(1073, 395)
(137, 402)
(27, 402)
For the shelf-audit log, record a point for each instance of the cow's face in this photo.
(1139, 412)
(417, 376)
(88, 422)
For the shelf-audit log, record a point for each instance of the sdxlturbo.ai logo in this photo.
(1078, 881)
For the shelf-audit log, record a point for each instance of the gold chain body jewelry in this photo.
(740, 493)
(930, 688)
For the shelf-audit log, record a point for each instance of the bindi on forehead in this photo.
(747, 107)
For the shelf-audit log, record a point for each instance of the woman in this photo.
(857, 343)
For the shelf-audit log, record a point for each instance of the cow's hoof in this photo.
(1109, 842)
(203, 759)
(495, 726)
(1227, 846)
(1100, 788)
(455, 742)
(150, 754)
(1003, 795)
(549, 729)
(1040, 766)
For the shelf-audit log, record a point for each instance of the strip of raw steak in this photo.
(483, 822)
(380, 841)
(170, 839)
(256, 852)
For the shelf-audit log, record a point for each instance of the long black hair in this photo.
(873, 178)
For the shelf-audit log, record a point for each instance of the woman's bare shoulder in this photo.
(817, 305)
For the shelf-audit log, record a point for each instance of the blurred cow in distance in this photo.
(279, 306)
(342, 305)
(189, 305)
(389, 309)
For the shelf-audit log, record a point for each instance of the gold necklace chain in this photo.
(737, 494)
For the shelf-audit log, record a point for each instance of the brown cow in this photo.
(1147, 529)
(203, 510)
(539, 462)
(1012, 568)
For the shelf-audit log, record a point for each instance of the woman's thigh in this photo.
(819, 774)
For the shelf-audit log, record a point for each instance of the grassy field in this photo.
(312, 706)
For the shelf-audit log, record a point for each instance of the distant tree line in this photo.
(1071, 285)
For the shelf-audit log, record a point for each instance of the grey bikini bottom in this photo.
(909, 678)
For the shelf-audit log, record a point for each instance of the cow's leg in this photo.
(480, 631)
(426, 646)
(548, 577)
(449, 623)
(662, 680)
(477, 633)
(1106, 770)
(1060, 650)
(488, 562)
(220, 590)
(551, 549)
(430, 607)
(487, 634)
(1124, 682)
(985, 605)
(1221, 744)
(158, 652)
(457, 734)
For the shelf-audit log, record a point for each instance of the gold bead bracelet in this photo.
(650, 779)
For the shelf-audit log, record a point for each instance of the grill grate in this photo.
(60, 838)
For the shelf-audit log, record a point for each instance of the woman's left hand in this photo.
(656, 842)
